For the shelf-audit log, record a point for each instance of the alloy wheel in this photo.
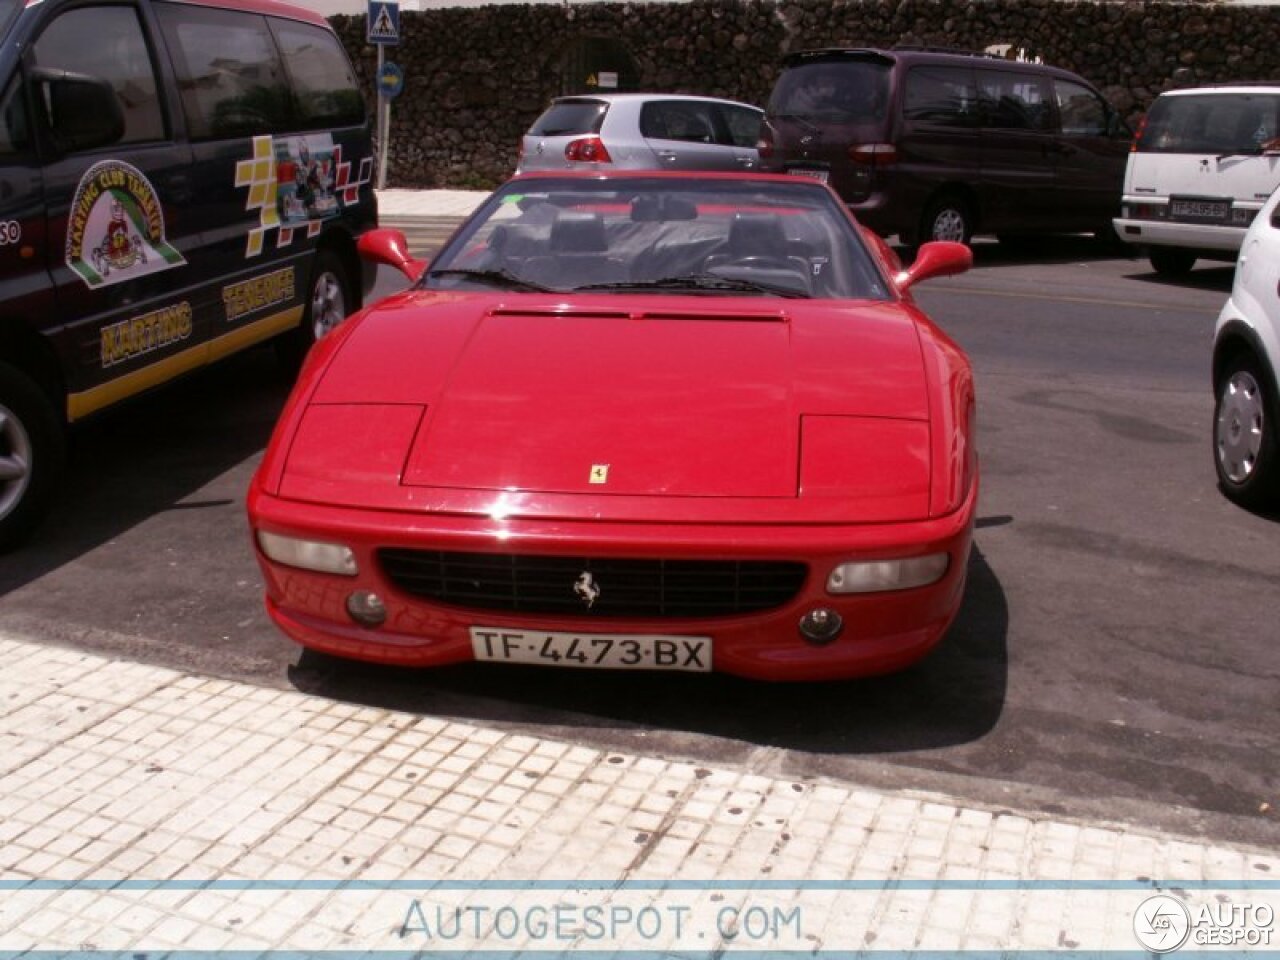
(1239, 428)
(328, 304)
(15, 461)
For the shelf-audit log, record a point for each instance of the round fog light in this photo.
(821, 626)
(366, 607)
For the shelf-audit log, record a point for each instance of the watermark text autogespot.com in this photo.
(563, 923)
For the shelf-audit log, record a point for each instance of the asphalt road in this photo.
(1115, 656)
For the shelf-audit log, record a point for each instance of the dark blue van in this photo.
(178, 181)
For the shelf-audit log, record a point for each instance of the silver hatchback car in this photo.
(642, 131)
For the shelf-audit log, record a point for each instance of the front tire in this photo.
(947, 218)
(1171, 262)
(328, 302)
(1244, 436)
(32, 447)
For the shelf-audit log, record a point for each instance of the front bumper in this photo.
(883, 631)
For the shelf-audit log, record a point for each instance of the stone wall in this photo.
(477, 77)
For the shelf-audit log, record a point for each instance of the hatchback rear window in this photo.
(1220, 123)
(570, 117)
(845, 91)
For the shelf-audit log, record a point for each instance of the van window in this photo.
(1220, 123)
(229, 72)
(1015, 101)
(570, 117)
(323, 81)
(851, 91)
(941, 96)
(1082, 111)
(14, 138)
(108, 43)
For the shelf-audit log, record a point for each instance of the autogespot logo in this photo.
(1162, 923)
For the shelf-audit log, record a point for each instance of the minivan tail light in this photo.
(587, 150)
(873, 154)
(1137, 137)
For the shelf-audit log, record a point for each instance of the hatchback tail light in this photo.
(587, 150)
(873, 154)
(764, 146)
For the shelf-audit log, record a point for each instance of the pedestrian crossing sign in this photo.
(383, 22)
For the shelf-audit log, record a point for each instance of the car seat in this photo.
(757, 249)
(579, 254)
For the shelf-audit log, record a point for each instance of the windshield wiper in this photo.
(704, 282)
(498, 278)
(803, 121)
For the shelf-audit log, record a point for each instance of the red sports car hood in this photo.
(685, 397)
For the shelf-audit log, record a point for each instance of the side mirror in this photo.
(83, 110)
(940, 258)
(389, 247)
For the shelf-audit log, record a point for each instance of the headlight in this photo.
(876, 575)
(308, 554)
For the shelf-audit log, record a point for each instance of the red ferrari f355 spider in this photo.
(649, 421)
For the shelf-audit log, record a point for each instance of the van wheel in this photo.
(1171, 262)
(947, 218)
(1244, 436)
(32, 447)
(328, 300)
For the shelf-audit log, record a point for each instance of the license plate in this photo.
(607, 651)
(1199, 209)
(812, 173)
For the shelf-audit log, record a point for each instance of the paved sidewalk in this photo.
(426, 217)
(400, 205)
(145, 809)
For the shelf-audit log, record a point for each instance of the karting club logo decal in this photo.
(116, 230)
(295, 184)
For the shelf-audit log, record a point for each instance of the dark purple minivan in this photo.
(932, 145)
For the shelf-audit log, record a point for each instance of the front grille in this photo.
(627, 588)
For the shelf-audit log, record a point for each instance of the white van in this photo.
(1203, 163)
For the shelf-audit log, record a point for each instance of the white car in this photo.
(1246, 358)
(1203, 162)
(642, 131)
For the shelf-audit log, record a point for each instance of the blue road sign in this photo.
(382, 23)
(390, 80)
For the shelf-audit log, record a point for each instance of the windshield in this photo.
(840, 91)
(1220, 123)
(692, 236)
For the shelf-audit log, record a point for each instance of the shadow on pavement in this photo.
(1039, 250)
(1209, 275)
(149, 456)
(956, 695)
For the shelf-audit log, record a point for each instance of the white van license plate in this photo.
(615, 651)
(1199, 209)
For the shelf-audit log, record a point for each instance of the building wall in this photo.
(477, 77)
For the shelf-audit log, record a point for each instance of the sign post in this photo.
(382, 28)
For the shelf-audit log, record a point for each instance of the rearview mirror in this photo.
(83, 111)
(940, 258)
(389, 247)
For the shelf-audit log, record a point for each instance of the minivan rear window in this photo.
(570, 117)
(840, 91)
(1219, 123)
